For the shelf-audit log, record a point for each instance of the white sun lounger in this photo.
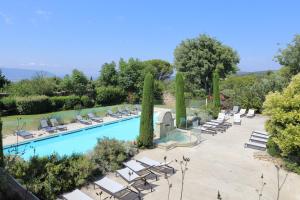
(242, 112)
(205, 130)
(260, 136)
(76, 195)
(133, 178)
(261, 132)
(251, 113)
(237, 119)
(235, 110)
(155, 164)
(258, 140)
(113, 188)
(255, 145)
(139, 169)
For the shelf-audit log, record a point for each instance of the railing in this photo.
(13, 189)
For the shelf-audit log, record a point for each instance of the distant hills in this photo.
(242, 73)
(17, 74)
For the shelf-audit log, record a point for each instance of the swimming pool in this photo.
(79, 141)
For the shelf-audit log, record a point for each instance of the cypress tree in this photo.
(216, 90)
(1, 146)
(146, 125)
(180, 102)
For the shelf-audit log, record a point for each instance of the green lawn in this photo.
(32, 122)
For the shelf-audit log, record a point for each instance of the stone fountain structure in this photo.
(164, 124)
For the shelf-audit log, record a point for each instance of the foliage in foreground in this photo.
(109, 154)
(284, 123)
(180, 101)
(145, 138)
(48, 177)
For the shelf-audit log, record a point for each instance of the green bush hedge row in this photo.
(110, 95)
(43, 104)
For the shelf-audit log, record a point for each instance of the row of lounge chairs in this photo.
(257, 140)
(135, 172)
(242, 112)
(91, 117)
(213, 126)
(123, 112)
(45, 127)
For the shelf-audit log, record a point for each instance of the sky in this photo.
(58, 36)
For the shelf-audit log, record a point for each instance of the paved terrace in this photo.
(221, 163)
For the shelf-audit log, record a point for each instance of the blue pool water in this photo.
(80, 141)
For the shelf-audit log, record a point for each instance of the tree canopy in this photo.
(197, 58)
(162, 69)
(290, 57)
(3, 80)
(108, 74)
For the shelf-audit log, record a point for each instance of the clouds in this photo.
(6, 19)
(43, 13)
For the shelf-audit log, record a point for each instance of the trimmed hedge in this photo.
(65, 102)
(109, 95)
(33, 104)
(87, 102)
(8, 106)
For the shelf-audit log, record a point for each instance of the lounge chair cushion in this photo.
(125, 174)
(110, 185)
(77, 195)
(24, 134)
(134, 165)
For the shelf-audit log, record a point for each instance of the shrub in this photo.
(109, 154)
(47, 177)
(284, 123)
(273, 148)
(8, 104)
(180, 102)
(33, 104)
(72, 102)
(58, 102)
(145, 138)
(109, 95)
(87, 102)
